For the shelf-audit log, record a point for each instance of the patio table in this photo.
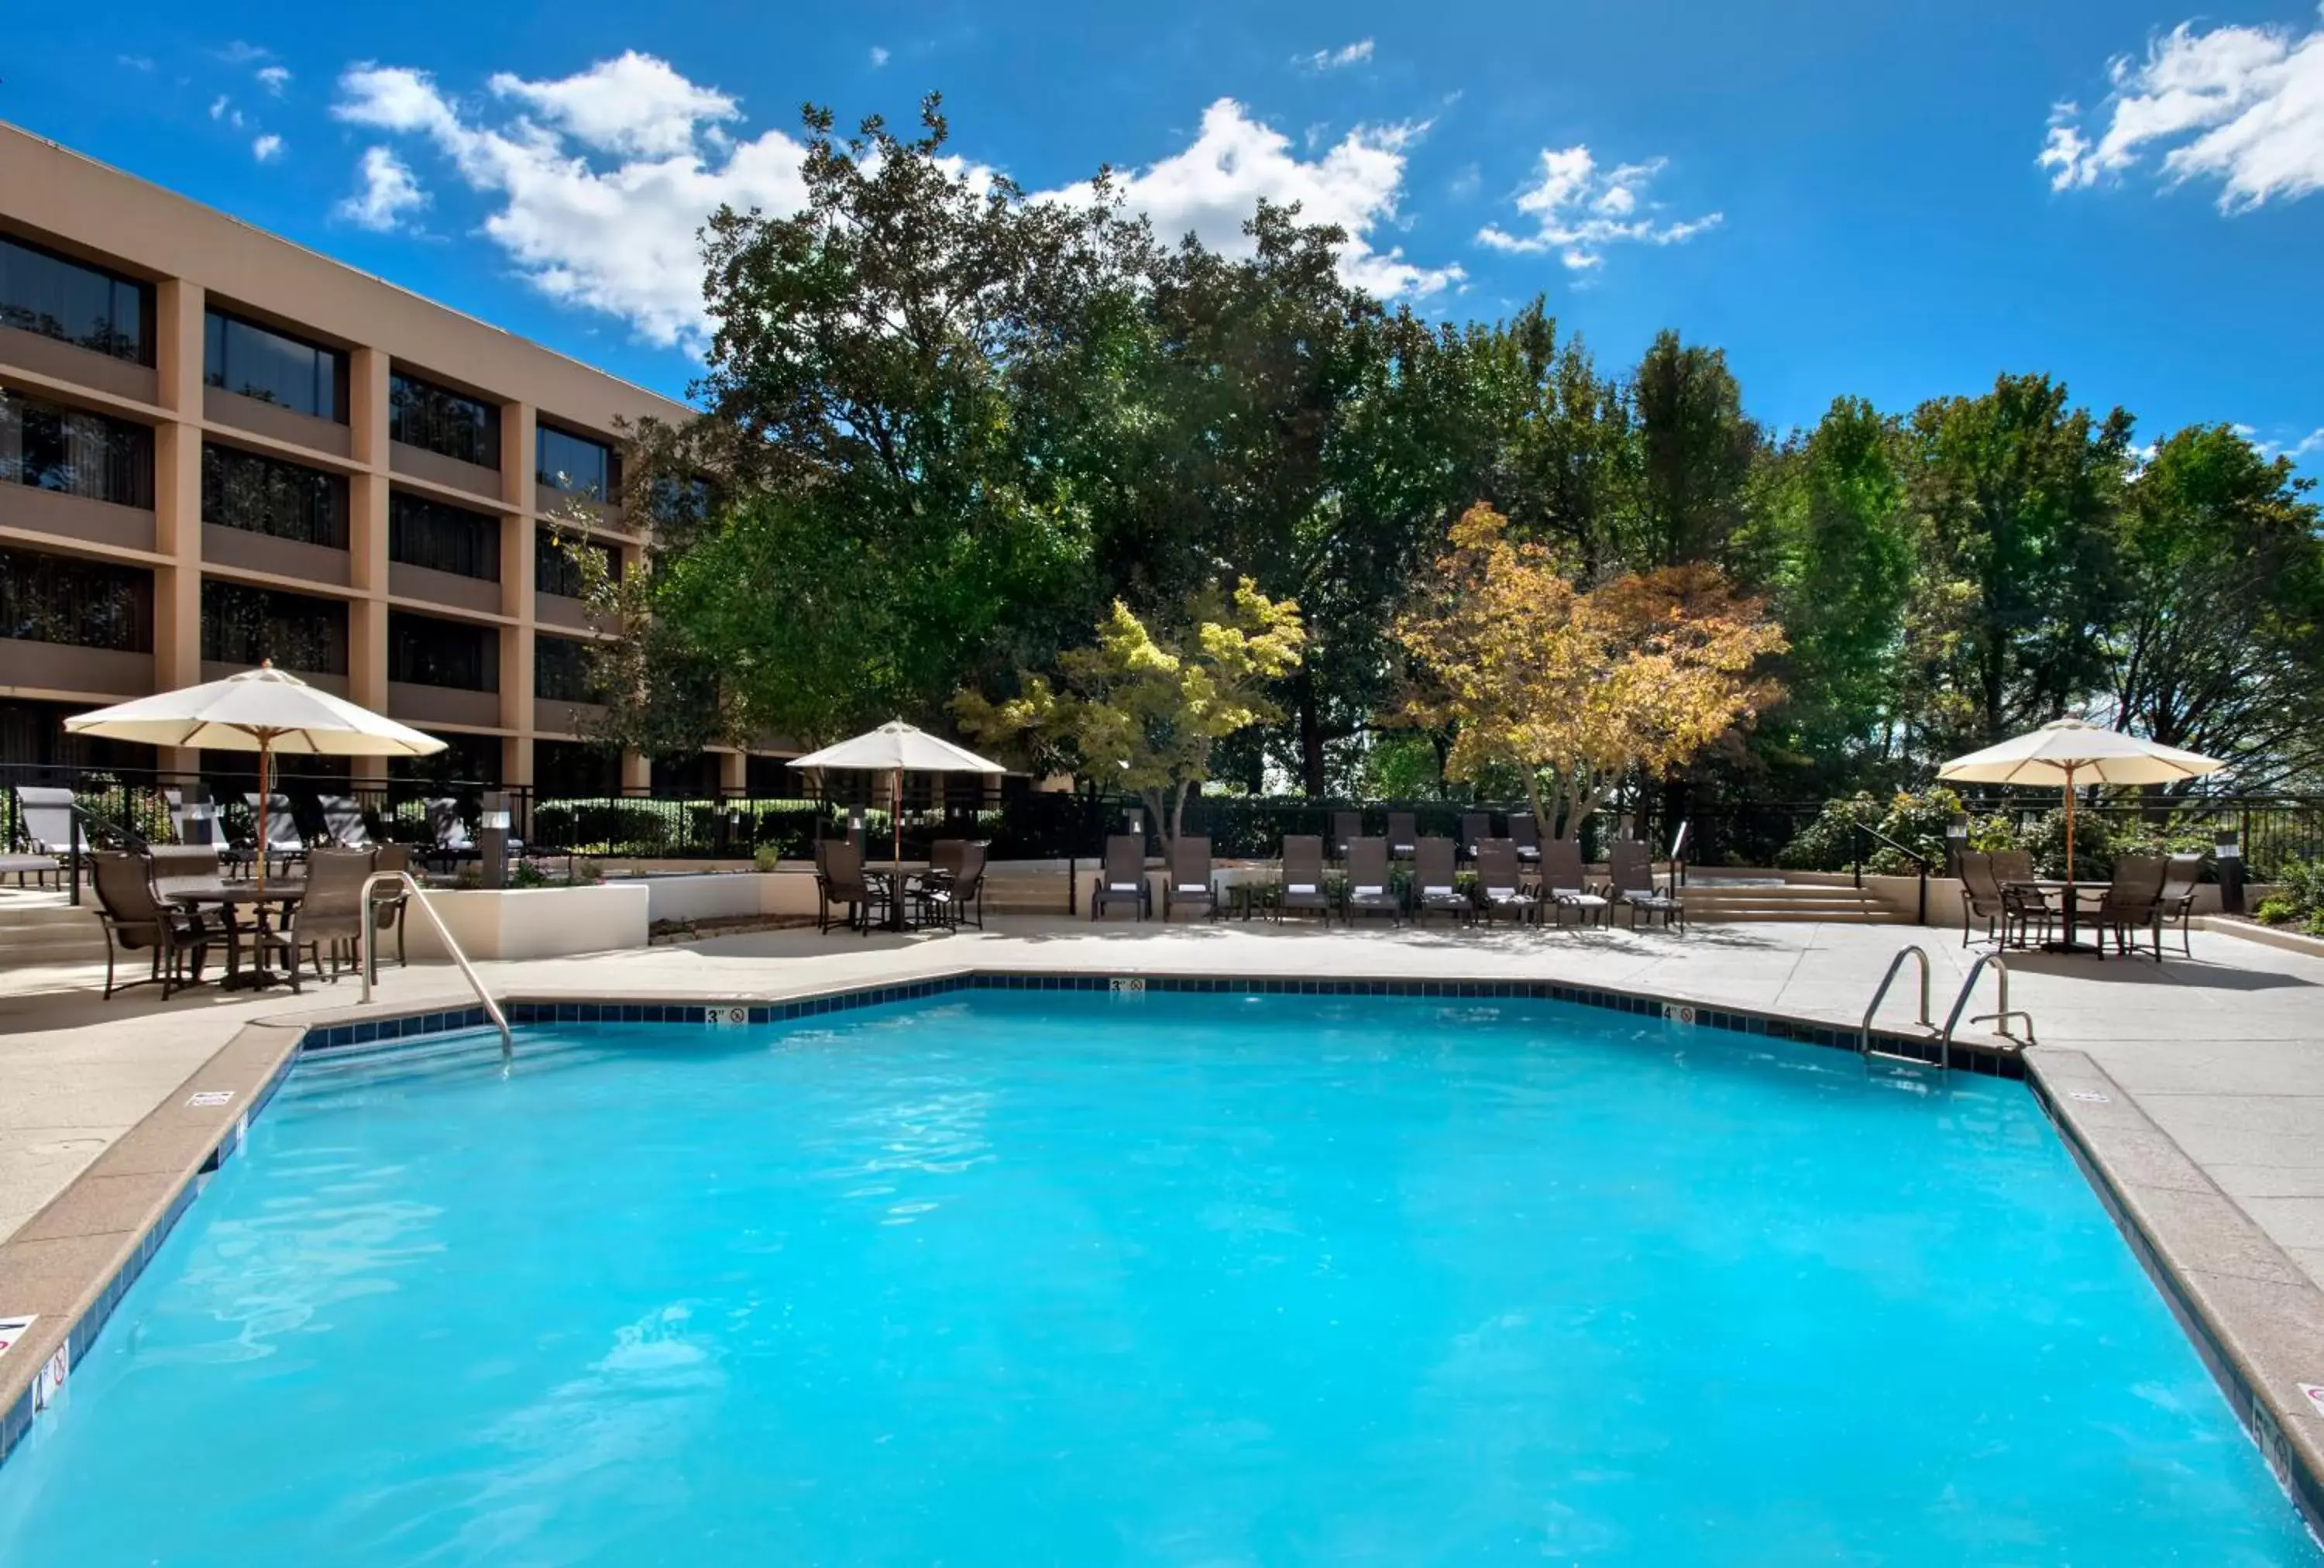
(2069, 911)
(229, 898)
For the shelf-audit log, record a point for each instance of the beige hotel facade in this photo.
(218, 446)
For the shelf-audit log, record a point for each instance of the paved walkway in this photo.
(2224, 1054)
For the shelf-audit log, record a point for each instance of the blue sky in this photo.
(1845, 198)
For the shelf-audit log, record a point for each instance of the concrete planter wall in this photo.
(534, 922)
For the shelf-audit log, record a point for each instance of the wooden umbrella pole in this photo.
(2069, 830)
(896, 851)
(266, 788)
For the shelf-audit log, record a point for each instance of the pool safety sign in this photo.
(211, 1097)
(2315, 1391)
(12, 1329)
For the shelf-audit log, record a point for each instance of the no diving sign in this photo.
(12, 1329)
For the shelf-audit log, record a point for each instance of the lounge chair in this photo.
(330, 912)
(840, 882)
(1565, 884)
(1526, 833)
(1368, 890)
(1476, 827)
(1403, 834)
(2176, 904)
(137, 920)
(389, 905)
(1346, 825)
(1434, 888)
(1633, 886)
(44, 831)
(1501, 883)
(1303, 886)
(1190, 882)
(2132, 902)
(343, 823)
(284, 842)
(1121, 878)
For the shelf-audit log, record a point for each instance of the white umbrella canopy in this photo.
(2072, 752)
(264, 710)
(897, 748)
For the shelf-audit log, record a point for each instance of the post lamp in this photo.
(1956, 842)
(492, 837)
(2228, 851)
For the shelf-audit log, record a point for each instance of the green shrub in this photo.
(2278, 910)
(2299, 899)
(1915, 820)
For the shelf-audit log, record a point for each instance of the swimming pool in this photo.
(1012, 1277)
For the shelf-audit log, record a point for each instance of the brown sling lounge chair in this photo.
(1433, 890)
(1303, 877)
(1368, 890)
(1633, 883)
(1500, 884)
(1122, 878)
(1565, 885)
(1189, 881)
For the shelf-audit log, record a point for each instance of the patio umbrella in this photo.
(896, 749)
(264, 710)
(2070, 752)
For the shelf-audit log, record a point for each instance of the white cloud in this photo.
(598, 183)
(879, 57)
(1215, 184)
(274, 78)
(241, 53)
(134, 61)
(2309, 445)
(267, 147)
(1355, 53)
(390, 190)
(1578, 211)
(222, 110)
(2242, 106)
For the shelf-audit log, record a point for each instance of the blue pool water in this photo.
(1013, 1279)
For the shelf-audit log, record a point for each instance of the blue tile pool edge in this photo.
(2252, 1407)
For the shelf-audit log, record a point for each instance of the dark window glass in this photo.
(244, 358)
(247, 625)
(45, 293)
(574, 464)
(679, 503)
(554, 569)
(561, 670)
(46, 598)
(421, 532)
(50, 448)
(425, 651)
(422, 414)
(574, 768)
(261, 496)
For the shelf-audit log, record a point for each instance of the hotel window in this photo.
(422, 650)
(261, 496)
(42, 292)
(561, 670)
(421, 532)
(257, 362)
(72, 451)
(554, 569)
(46, 598)
(247, 625)
(448, 423)
(574, 464)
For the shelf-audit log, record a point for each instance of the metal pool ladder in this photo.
(1928, 1025)
(2001, 1015)
(368, 956)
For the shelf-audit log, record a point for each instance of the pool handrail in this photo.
(1864, 1032)
(368, 958)
(2001, 1015)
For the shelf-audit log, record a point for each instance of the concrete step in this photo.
(1717, 901)
(58, 933)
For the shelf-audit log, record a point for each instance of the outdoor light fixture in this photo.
(496, 821)
(2230, 845)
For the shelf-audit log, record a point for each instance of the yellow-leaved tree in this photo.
(1140, 711)
(1574, 689)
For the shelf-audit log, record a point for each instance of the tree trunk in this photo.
(1311, 737)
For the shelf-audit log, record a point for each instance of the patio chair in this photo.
(1121, 878)
(285, 844)
(343, 822)
(1526, 833)
(1303, 877)
(44, 818)
(2176, 905)
(1433, 890)
(176, 864)
(1368, 890)
(389, 906)
(448, 832)
(137, 920)
(1501, 883)
(1565, 884)
(1346, 825)
(1403, 834)
(330, 912)
(1476, 827)
(840, 882)
(1633, 886)
(2133, 902)
(953, 881)
(1190, 879)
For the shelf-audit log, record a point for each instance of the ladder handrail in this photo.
(368, 955)
(2000, 1016)
(1910, 950)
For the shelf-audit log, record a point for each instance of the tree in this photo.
(2017, 495)
(1142, 711)
(2220, 640)
(1695, 452)
(1577, 691)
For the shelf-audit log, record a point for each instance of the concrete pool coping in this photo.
(2252, 1313)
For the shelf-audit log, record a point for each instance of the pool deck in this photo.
(2196, 1086)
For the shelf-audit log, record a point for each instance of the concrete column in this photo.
(637, 771)
(518, 544)
(367, 542)
(734, 771)
(177, 498)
